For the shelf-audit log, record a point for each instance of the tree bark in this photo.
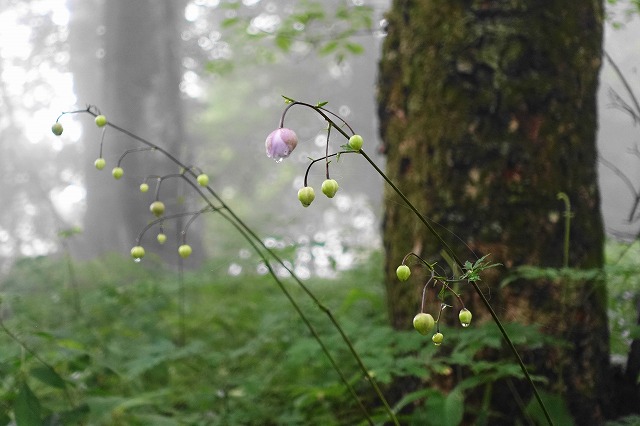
(487, 112)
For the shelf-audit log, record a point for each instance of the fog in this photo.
(59, 56)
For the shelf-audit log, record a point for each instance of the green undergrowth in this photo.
(228, 350)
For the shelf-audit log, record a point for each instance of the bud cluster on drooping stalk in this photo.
(281, 142)
(157, 207)
(425, 322)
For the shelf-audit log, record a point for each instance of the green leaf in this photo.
(283, 42)
(328, 48)
(27, 407)
(321, 104)
(414, 396)
(219, 67)
(288, 100)
(48, 376)
(453, 407)
(556, 407)
(230, 22)
(355, 48)
(76, 416)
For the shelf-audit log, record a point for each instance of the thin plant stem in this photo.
(252, 241)
(634, 112)
(475, 286)
(447, 249)
(33, 353)
(567, 228)
(256, 242)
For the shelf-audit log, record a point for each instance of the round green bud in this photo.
(203, 179)
(329, 187)
(57, 128)
(100, 163)
(161, 238)
(306, 195)
(117, 172)
(423, 323)
(137, 252)
(184, 251)
(403, 272)
(437, 339)
(101, 120)
(157, 208)
(144, 187)
(355, 142)
(465, 317)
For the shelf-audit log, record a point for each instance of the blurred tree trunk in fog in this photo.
(488, 111)
(135, 83)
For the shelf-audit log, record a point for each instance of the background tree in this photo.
(488, 111)
(133, 52)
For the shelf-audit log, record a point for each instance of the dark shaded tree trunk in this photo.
(488, 111)
(136, 85)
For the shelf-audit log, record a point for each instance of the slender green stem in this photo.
(567, 228)
(320, 306)
(33, 353)
(446, 248)
(252, 241)
(256, 242)
(475, 286)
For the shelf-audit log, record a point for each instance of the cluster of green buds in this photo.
(157, 207)
(281, 142)
(423, 322)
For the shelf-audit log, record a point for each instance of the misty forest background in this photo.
(88, 336)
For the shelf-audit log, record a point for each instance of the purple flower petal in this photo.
(280, 143)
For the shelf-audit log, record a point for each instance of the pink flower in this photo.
(280, 143)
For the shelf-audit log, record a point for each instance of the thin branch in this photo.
(627, 87)
(625, 179)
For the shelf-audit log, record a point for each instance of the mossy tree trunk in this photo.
(488, 111)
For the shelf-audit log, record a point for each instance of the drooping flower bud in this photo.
(329, 187)
(306, 195)
(437, 339)
(465, 317)
(280, 143)
(423, 323)
(403, 272)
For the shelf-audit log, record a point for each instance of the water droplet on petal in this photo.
(137, 260)
(465, 324)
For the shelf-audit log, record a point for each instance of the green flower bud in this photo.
(203, 180)
(465, 317)
(117, 172)
(184, 251)
(161, 238)
(306, 195)
(101, 121)
(137, 252)
(157, 208)
(437, 339)
(100, 163)
(329, 187)
(403, 272)
(355, 142)
(423, 323)
(57, 128)
(144, 187)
